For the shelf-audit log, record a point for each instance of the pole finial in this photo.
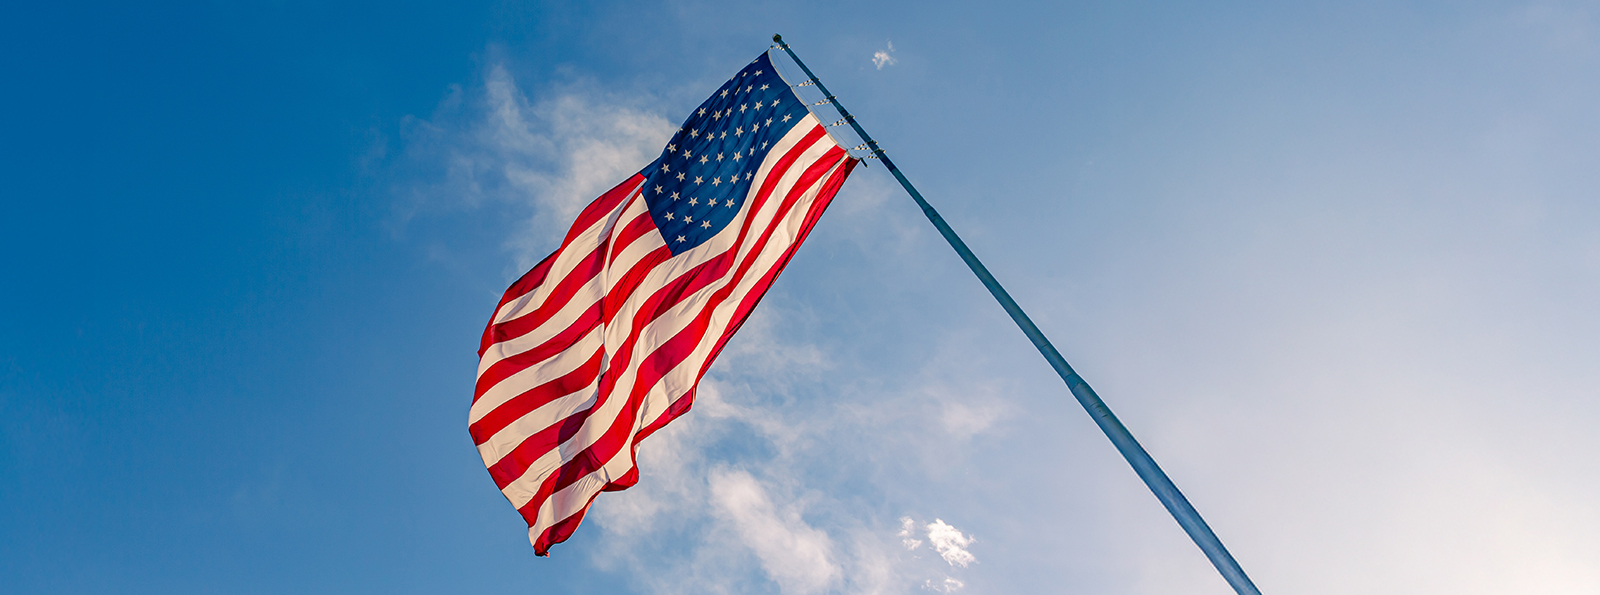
(777, 38)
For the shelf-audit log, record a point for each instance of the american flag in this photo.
(604, 341)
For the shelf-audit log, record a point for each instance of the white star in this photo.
(674, 196)
(680, 176)
(746, 175)
(702, 111)
(774, 102)
(758, 105)
(680, 238)
(658, 189)
(748, 88)
(669, 216)
(735, 156)
(729, 203)
(737, 131)
(688, 219)
(724, 134)
(769, 121)
(716, 115)
(763, 87)
(665, 168)
(786, 117)
(716, 181)
(702, 158)
(763, 144)
(672, 148)
(743, 107)
(697, 180)
(694, 133)
(687, 154)
(693, 201)
(724, 92)
(705, 224)
(754, 126)
(719, 156)
(729, 112)
(758, 73)
(711, 203)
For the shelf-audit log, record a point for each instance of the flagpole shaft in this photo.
(1165, 491)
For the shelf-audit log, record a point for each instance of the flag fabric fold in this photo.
(605, 340)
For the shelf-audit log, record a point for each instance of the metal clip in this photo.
(807, 83)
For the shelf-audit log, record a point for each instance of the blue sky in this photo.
(1335, 264)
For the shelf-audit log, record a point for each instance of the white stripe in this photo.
(549, 414)
(582, 299)
(580, 302)
(550, 369)
(573, 253)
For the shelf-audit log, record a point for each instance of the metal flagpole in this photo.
(1145, 466)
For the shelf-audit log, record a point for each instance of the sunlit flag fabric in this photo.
(604, 341)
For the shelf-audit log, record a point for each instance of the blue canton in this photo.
(699, 183)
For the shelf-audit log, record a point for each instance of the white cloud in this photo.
(796, 556)
(950, 543)
(948, 585)
(550, 157)
(884, 57)
(965, 419)
(907, 530)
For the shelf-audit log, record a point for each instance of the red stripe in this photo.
(569, 285)
(782, 167)
(625, 287)
(620, 241)
(529, 282)
(560, 531)
(532, 279)
(591, 214)
(602, 207)
(536, 397)
(503, 369)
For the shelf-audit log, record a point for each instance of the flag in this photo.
(604, 341)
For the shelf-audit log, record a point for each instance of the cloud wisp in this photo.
(547, 157)
(884, 57)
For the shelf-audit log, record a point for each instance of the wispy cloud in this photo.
(884, 57)
(907, 534)
(796, 556)
(549, 157)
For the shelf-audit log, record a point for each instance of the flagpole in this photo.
(1146, 467)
